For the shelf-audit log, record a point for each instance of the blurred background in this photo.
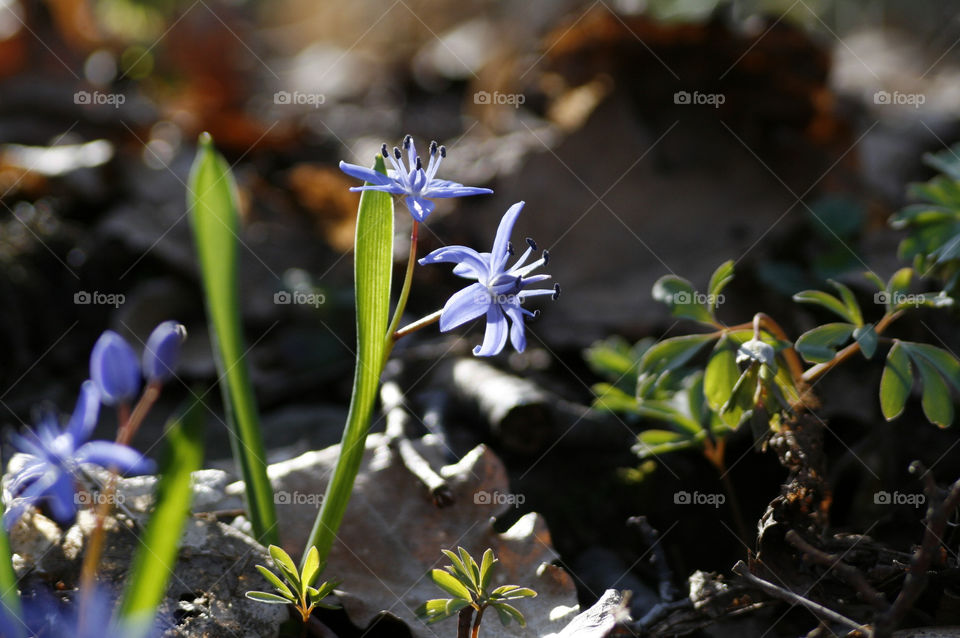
(647, 137)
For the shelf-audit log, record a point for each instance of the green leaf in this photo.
(721, 374)
(507, 613)
(873, 278)
(472, 566)
(657, 442)
(936, 400)
(899, 283)
(945, 363)
(722, 276)
(311, 567)
(825, 300)
(450, 584)
(486, 569)
(682, 299)
(212, 204)
(611, 358)
(286, 566)
(266, 597)
(849, 302)
(613, 399)
(819, 345)
(672, 353)
(9, 597)
(276, 582)
(460, 571)
(440, 609)
(154, 562)
(665, 411)
(512, 592)
(896, 382)
(866, 336)
(373, 265)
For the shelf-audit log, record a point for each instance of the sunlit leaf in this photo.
(819, 345)
(896, 382)
(682, 299)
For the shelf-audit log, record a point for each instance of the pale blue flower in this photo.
(162, 351)
(499, 292)
(54, 456)
(419, 184)
(115, 369)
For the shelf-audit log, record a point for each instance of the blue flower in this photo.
(419, 184)
(54, 456)
(114, 369)
(499, 292)
(162, 351)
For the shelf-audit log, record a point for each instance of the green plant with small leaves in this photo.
(706, 384)
(295, 587)
(469, 584)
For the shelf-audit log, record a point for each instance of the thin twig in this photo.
(391, 396)
(818, 610)
(935, 522)
(849, 573)
(667, 590)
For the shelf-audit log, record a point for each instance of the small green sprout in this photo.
(469, 584)
(298, 590)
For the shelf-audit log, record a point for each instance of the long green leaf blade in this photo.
(212, 202)
(154, 562)
(373, 264)
(9, 597)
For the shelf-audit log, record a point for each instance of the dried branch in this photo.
(818, 610)
(938, 513)
(848, 573)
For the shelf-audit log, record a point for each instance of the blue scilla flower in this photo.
(53, 458)
(419, 184)
(114, 369)
(162, 351)
(499, 292)
(44, 615)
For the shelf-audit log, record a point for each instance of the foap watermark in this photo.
(299, 298)
(509, 99)
(697, 98)
(83, 498)
(898, 299)
(899, 98)
(897, 498)
(284, 497)
(484, 497)
(299, 98)
(97, 298)
(698, 498)
(684, 297)
(99, 98)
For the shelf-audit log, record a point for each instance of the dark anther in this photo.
(396, 152)
(536, 314)
(384, 152)
(510, 248)
(546, 257)
(443, 151)
(556, 291)
(406, 141)
(433, 147)
(419, 164)
(531, 243)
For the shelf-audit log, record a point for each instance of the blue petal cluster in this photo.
(499, 292)
(54, 456)
(417, 183)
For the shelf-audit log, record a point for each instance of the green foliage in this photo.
(932, 243)
(9, 597)
(373, 265)
(469, 585)
(293, 587)
(155, 561)
(212, 203)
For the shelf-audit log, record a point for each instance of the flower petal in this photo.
(392, 188)
(62, 498)
(419, 207)
(467, 270)
(465, 305)
(504, 230)
(114, 368)
(113, 455)
(162, 351)
(442, 189)
(517, 335)
(496, 335)
(459, 255)
(366, 174)
(84, 417)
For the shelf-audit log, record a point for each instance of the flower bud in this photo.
(114, 369)
(163, 351)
